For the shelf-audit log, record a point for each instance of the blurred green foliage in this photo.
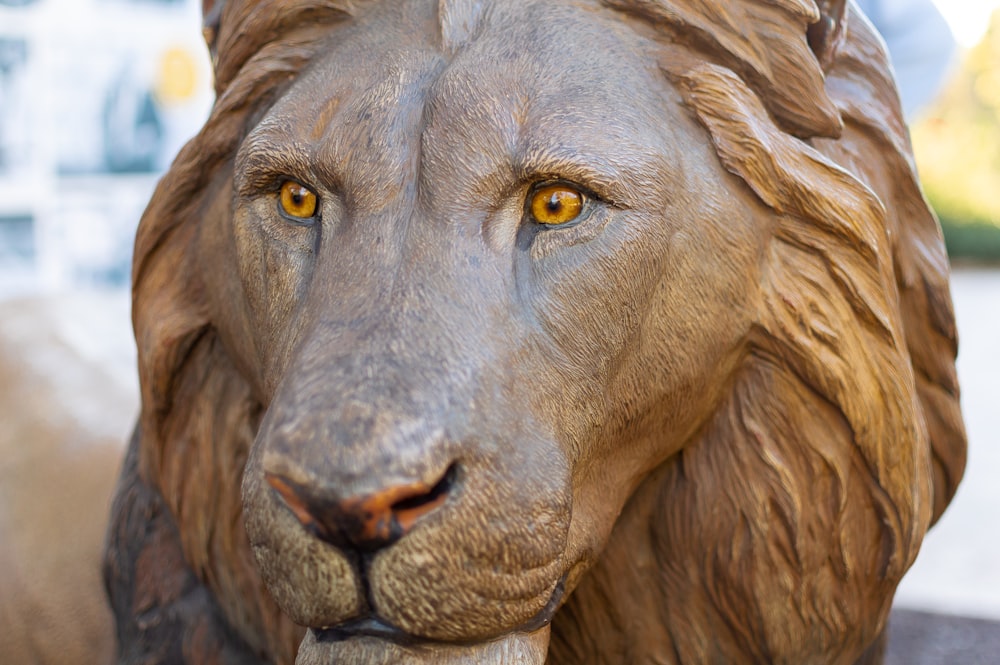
(957, 148)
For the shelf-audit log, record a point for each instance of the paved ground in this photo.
(922, 638)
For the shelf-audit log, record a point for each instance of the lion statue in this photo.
(535, 331)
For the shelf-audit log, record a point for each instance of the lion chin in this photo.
(512, 649)
(535, 331)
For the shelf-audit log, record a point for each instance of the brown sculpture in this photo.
(524, 331)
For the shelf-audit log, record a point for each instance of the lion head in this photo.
(595, 331)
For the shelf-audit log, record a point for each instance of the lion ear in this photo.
(826, 34)
(211, 12)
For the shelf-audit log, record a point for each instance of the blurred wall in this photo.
(96, 96)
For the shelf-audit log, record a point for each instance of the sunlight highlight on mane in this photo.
(740, 36)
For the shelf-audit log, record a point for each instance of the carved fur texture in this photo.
(707, 420)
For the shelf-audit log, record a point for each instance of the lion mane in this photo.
(782, 528)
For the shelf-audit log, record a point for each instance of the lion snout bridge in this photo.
(363, 523)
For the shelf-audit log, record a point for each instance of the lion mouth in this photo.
(375, 626)
(369, 626)
(544, 617)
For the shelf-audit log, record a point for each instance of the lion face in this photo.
(623, 315)
(460, 394)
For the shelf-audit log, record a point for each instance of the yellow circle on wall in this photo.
(176, 76)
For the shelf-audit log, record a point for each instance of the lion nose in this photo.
(367, 522)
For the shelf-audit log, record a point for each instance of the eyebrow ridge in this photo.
(603, 174)
(266, 156)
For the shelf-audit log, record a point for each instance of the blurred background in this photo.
(956, 137)
(96, 96)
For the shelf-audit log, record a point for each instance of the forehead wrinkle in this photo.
(491, 145)
(323, 118)
(371, 140)
(618, 141)
(550, 115)
(470, 141)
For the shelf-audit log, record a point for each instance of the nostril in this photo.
(367, 522)
(409, 510)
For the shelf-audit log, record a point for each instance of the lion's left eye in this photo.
(297, 201)
(555, 204)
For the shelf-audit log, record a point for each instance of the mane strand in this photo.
(247, 26)
(868, 100)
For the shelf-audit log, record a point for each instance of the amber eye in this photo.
(556, 204)
(297, 200)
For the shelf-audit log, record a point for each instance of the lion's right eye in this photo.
(297, 201)
(555, 204)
